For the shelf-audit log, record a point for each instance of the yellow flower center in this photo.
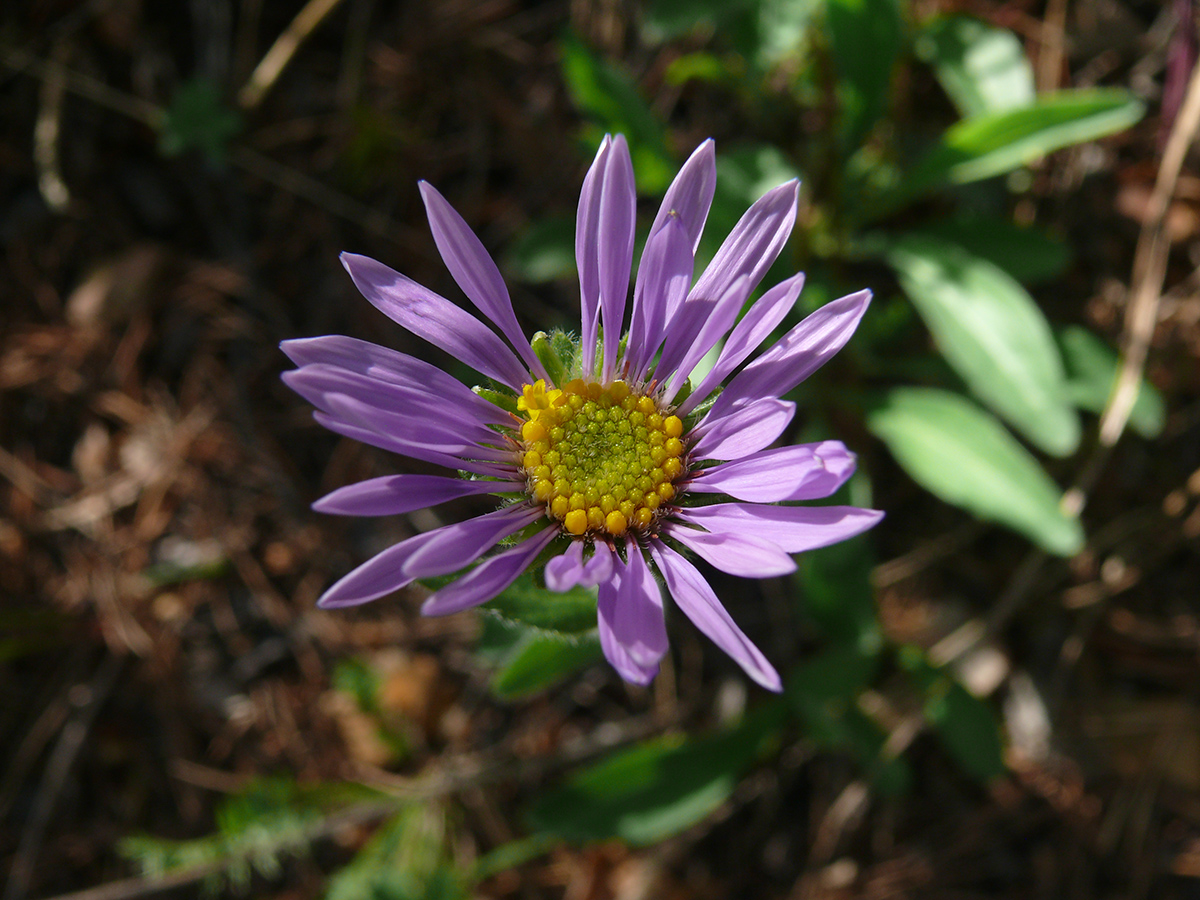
(602, 459)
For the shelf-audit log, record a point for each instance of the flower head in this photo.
(604, 457)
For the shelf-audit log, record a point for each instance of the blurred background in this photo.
(993, 694)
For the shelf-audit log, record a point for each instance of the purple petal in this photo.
(754, 243)
(464, 542)
(394, 568)
(797, 354)
(695, 597)
(599, 567)
(569, 569)
(444, 413)
(564, 571)
(754, 328)
(475, 272)
(801, 472)
(794, 528)
(690, 195)
(618, 210)
(394, 494)
(435, 319)
(382, 364)
(489, 578)
(713, 326)
(737, 554)
(744, 431)
(587, 239)
(416, 434)
(414, 449)
(633, 632)
(663, 278)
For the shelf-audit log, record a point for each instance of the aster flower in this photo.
(605, 461)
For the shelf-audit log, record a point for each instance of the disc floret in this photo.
(603, 459)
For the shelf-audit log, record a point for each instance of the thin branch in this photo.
(267, 72)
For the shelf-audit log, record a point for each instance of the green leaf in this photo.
(983, 69)
(406, 859)
(1092, 372)
(667, 19)
(609, 97)
(964, 723)
(961, 454)
(865, 39)
(836, 586)
(539, 660)
(781, 28)
(993, 334)
(545, 251)
(651, 791)
(198, 119)
(824, 693)
(525, 602)
(1029, 255)
(992, 144)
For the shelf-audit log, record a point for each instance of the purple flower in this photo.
(599, 456)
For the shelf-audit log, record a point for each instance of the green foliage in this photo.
(569, 613)
(963, 455)
(545, 252)
(865, 37)
(610, 98)
(406, 859)
(655, 789)
(256, 829)
(993, 334)
(983, 69)
(1092, 373)
(1027, 254)
(198, 119)
(994, 143)
(835, 583)
(964, 723)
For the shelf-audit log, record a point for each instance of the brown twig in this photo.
(267, 72)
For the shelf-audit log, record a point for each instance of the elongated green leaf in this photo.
(983, 69)
(836, 586)
(655, 789)
(539, 661)
(963, 455)
(610, 98)
(965, 723)
(993, 334)
(987, 145)
(1029, 255)
(527, 603)
(1092, 371)
(866, 36)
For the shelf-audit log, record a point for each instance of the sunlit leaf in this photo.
(993, 334)
(963, 455)
(983, 69)
(987, 145)
(1092, 372)
(1029, 255)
